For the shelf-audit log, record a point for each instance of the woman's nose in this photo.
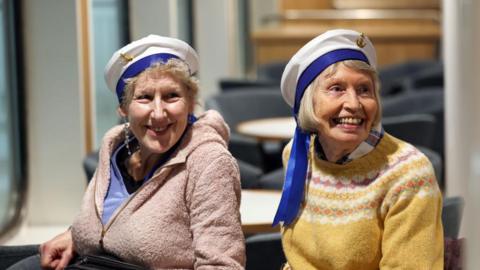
(352, 100)
(158, 110)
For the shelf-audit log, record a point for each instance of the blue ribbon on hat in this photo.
(138, 66)
(295, 175)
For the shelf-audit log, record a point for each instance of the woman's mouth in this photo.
(348, 121)
(157, 131)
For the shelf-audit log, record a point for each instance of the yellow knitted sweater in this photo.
(380, 211)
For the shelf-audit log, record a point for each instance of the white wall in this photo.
(150, 17)
(260, 10)
(216, 40)
(165, 17)
(54, 118)
(461, 27)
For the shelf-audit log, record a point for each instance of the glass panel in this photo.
(5, 138)
(109, 34)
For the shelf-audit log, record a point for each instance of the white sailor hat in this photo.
(139, 55)
(326, 49)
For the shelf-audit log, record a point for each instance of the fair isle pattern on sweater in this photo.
(340, 199)
(376, 212)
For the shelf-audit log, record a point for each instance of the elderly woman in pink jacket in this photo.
(166, 193)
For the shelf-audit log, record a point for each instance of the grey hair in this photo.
(307, 119)
(174, 67)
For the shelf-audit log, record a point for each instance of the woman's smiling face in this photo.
(345, 107)
(158, 112)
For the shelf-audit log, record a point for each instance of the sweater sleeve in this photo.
(413, 233)
(218, 240)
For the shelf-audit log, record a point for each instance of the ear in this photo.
(122, 112)
(192, 108)
(191, 104)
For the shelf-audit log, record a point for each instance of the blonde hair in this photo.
(307, 119)
(173, 67)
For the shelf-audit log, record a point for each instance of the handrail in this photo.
(354, 14)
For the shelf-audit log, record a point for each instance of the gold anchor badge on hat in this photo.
(126, 57)
(361, 41)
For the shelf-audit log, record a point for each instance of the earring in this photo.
(191, 118)
(127, 136)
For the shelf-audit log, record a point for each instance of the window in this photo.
(5, 172)
(12, 162)
(110, 32)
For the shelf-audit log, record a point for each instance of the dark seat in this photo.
(238, 106)
(10, 255)
(249, 174)
(429, 101)
(421, 102)
(417, 129)
(245, 85)
(427, 78)
(393, 76)
(452, 216)
(264, 252)
(271, 71)
(273, 180)
(90, 163)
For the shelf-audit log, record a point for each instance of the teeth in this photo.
(159, 129)
(349, 121)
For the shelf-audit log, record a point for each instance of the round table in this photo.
(268, 129)
(257, 209)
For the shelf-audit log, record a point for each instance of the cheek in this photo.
(177, 113)
(137, 111)
(179, 108)
(318, 107)
(371, 109)
(324, 110)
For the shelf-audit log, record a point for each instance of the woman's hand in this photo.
(57, 253)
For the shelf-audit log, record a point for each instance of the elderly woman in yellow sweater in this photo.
(354, 197)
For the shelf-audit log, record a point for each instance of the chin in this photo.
(353, 139)
(156, 149)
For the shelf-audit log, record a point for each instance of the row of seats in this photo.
(415, 117)
(412, 104)
(395, 78)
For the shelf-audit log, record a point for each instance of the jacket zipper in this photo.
(113, 218)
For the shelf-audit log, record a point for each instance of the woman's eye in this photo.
(143, 97)
(172, 95)
(365, 90)
(335, 88)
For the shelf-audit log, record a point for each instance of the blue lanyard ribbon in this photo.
(295, 177)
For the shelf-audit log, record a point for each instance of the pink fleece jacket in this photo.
(186, 217)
